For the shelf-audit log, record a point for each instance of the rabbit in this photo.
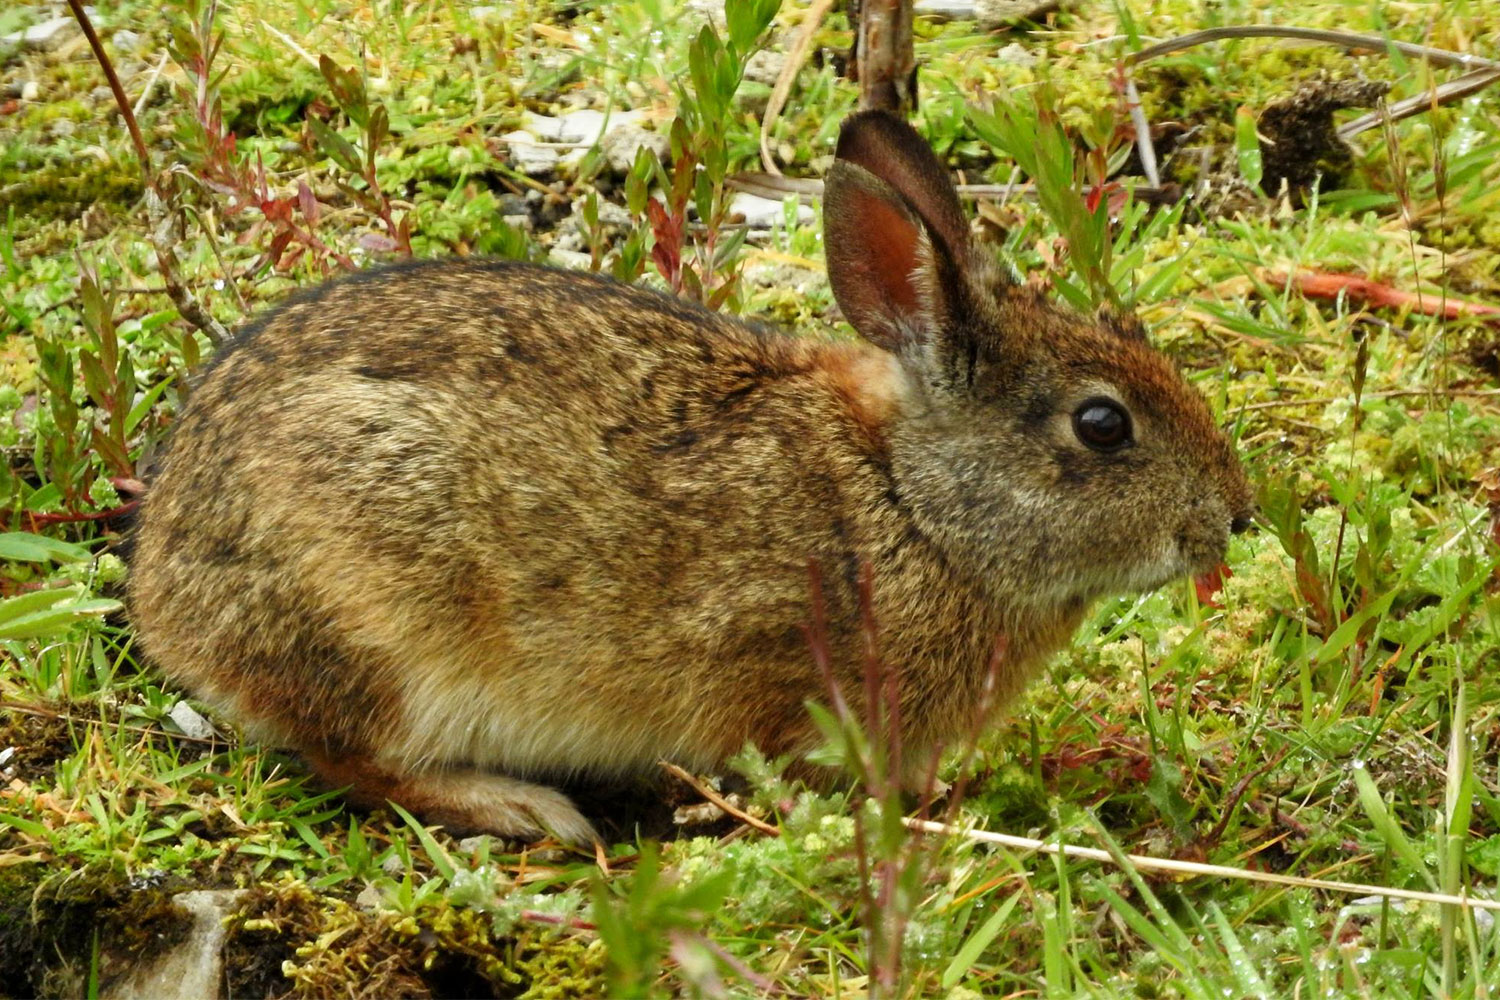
(460, 530)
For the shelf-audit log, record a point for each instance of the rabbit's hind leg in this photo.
(461, 799)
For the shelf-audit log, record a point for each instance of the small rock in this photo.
(529, 158)
(1017, 55)
(471, 845)
(622, 145)
(586, 127)
(192, 969)
(712, 10)
(993, 14)
(127, 41)
(48, 35)
(101, 93)
(393, 866)
(572, 260)
(765, 67)
(62, 128)
(31, 90)
(952, 10)
(190, 722)
(698, 814)
(763, 213)
(610, 214)
(512, 204)
(369, 898)
(784, 277)
(519, 220)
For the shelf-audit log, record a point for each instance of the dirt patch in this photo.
(40, 741)
(50, 930)
(1299, 144)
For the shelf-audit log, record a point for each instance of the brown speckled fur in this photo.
(452, 527)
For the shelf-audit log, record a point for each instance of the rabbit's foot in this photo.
(495, 803)
(463, 800)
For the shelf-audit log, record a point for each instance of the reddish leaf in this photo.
(307, 203)
(1209, 584)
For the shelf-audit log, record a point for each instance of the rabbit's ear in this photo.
(893, 233)
(879, 257)
(891, 149)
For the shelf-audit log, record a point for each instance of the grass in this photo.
(1334, 713)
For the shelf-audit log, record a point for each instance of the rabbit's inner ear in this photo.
(877, 254)
(891, 149)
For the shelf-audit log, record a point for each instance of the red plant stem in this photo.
(114, 85)
(69, 517)
(1319, 285)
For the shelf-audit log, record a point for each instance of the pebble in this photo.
(48, 35)
(127, 41)
(369, 898)
(30, 90)
(764, 213)
(622, 145)
(192, 968)
(529, 158)
(191, 722)
(765, 67)
(572, 260)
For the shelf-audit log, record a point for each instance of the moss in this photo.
(49, 926)
(287, 939)
(64, 189)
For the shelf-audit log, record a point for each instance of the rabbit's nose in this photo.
(1242, 522)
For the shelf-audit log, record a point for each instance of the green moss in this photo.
(50, 921)
(64, 189)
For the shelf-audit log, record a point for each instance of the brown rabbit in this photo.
(455, 527)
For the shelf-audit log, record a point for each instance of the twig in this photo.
(290, 43)
(779, 93)
(552, 919)
(1195, 868)
(114, 85)
(161, 227)
(1446, 93)
(1348, 39)
(1232, 800)
(165, 235)
(719, 800)
(810, 189)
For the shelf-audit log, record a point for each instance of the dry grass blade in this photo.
(1143, 143)
(1447, 93)
(779, 93)
(1194, 868)
(1348, 39)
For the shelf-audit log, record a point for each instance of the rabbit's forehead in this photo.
(1138, 376)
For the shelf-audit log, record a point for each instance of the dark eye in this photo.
(1102, 424)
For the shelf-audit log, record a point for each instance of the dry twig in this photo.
(719, 800)
(1195, 868)
(779, 93)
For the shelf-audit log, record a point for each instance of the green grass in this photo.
(1336, 716)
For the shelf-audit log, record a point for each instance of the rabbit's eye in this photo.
(1102, 424)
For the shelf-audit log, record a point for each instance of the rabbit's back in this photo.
(501, 514)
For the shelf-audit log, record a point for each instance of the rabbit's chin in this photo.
(1171, 564)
